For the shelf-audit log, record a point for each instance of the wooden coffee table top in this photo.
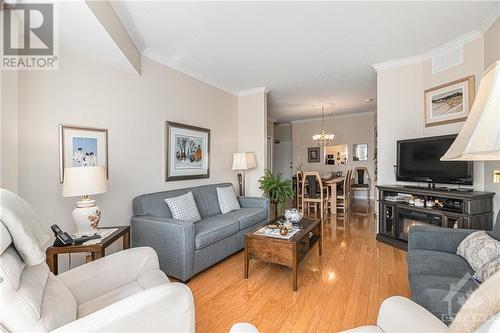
(306, 225)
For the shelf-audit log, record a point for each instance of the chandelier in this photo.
(323, 139)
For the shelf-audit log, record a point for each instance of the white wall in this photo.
(134, 109)
(347, 129)
(400, 106)
(252, 135)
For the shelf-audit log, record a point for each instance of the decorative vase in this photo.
(293, 215)
(86, 216)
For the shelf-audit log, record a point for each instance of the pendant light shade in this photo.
(479, 139)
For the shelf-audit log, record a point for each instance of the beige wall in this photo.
(134, 109)
(400, 106)
(491, 55)
(347, 129)
(252, 134)
(8, 131)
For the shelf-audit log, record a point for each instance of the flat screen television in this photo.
(418, 160)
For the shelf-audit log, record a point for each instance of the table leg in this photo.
(334, 198)
(126, 240)
(52, 263)
(245, 263)
(294, 278)
(320, 240)
(98, 254)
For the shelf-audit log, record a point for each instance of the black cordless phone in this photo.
(64, 239)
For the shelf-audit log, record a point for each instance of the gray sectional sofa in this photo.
(187, 248)
(434, 266)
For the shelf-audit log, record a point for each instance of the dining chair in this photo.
(361, 181)
(343, 193)
(315, 193)
(300, 192)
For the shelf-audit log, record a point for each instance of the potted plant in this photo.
(276, 189)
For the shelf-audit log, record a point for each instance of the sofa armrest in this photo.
(399, 314)
(165, 308)
(172, 239)
(435, 238)
(108, 273)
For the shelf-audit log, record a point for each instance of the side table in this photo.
(96, 250)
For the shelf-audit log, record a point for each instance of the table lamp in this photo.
(479, 139)
(241, 163)
(85, 181)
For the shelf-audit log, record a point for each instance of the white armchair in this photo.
(123, 292)
(399, 314)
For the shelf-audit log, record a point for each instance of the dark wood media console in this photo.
(461, 209)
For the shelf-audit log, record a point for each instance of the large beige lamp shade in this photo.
(85, 181)
(479, 139)
(243, 162)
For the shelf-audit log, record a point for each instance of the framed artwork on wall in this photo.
(313, 155)
(82, 147)
(187, 152)
(360, 152)
(450, 102)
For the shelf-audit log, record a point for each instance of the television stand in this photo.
(449, 208)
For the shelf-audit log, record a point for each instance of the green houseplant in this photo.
(276, 189)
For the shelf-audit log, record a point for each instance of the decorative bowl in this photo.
(293, 215)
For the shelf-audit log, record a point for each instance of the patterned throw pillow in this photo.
(184, 208)
(479, 248)
(487, 270)
(227, 199)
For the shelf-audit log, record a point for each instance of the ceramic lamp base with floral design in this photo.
(85, 181)
(86, 215)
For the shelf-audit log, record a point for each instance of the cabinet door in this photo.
(387, 218)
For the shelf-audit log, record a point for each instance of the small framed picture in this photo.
(450, 102)
(360, 152)
(82, 147)
(313, 155)
(187, 152)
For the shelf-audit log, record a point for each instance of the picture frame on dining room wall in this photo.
(82, 147)
(187, 152)
(313, 155)
(450, 102)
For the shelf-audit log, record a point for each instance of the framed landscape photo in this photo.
(313, 155)
(82, 147)
(449, 103)
(187, 152)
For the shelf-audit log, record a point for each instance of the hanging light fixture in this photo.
(323, 139)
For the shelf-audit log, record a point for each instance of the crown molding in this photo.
(121, 11)
(343, 115)
(151, 54)
(457, 42)
(492, 17)
(253, 91)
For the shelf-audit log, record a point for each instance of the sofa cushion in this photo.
(479, 248)
(212, 229)
(147, 280)
(248, 216)
(441, 295)
(429, 262)
(184, 208)
(227, 199)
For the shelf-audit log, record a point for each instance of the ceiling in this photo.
(306, 53)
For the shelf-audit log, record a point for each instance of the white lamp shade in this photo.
(479, 139)
(244, 161)
(84, 181)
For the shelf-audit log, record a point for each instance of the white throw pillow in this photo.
(184, 208)
(227, 199)
(479, 248)
(487, 270)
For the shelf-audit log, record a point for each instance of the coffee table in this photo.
(287, 252)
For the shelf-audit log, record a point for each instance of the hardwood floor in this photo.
(340, 290)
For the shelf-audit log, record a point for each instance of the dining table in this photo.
(332, 183)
